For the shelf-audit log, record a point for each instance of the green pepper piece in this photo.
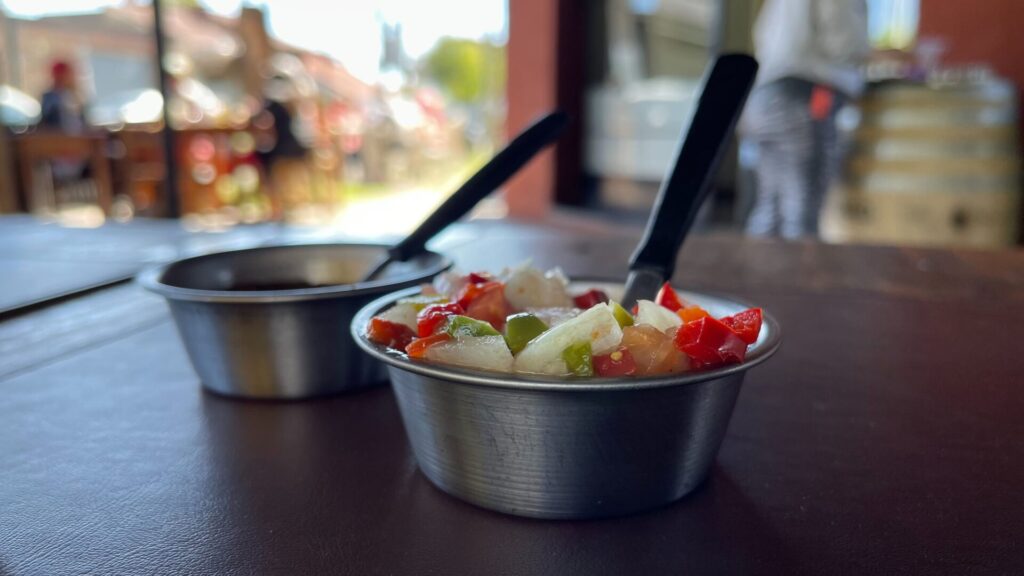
(579, 359)
(621, 316)
(423, 300)
(462, 326)
(521, 328)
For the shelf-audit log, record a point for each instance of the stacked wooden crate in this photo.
(931, 165)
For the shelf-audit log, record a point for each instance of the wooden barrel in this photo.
(931, 165)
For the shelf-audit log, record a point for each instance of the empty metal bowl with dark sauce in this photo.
(273, 322)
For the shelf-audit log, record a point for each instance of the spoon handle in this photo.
(504, 164)
(720, 101)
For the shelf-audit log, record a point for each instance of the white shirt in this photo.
(822, 41)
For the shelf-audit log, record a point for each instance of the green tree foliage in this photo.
(470, 71)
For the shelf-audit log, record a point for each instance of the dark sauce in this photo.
(266, 286)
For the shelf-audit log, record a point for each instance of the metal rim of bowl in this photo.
(761, 352)
(150, 279)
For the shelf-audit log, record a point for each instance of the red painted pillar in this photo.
(985, 32)
(532, 91)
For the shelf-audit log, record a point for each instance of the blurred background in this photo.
(360, 117)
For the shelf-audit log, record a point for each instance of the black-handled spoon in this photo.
(720, 101)
(500, 168)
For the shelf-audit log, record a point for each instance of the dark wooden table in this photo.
(886, 437)
(41, 261)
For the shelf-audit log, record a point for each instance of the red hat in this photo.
(60, 68)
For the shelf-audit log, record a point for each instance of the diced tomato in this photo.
(490, 305)
(485, 301)
(473, 290)
(432, 318)
(668, 298)
(710, 342)
(390, 334)
(691, 313)
(479, 277)
(590, 298)
(746, 324)
(617, 363)
(653, 351)
(418, 347)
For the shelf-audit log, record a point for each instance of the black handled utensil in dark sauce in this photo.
(689, 181)
(505, 163)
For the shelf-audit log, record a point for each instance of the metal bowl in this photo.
(565, 448)
(272, 322)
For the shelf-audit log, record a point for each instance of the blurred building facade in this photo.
(356, 132)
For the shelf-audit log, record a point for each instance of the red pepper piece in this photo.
(746, 324)
(390, 334)
(479, 277)
(691, 313)
(590, 298)
(617, 363)
(668, 298)
(433, 317)
(418, 347)
(710, 342)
